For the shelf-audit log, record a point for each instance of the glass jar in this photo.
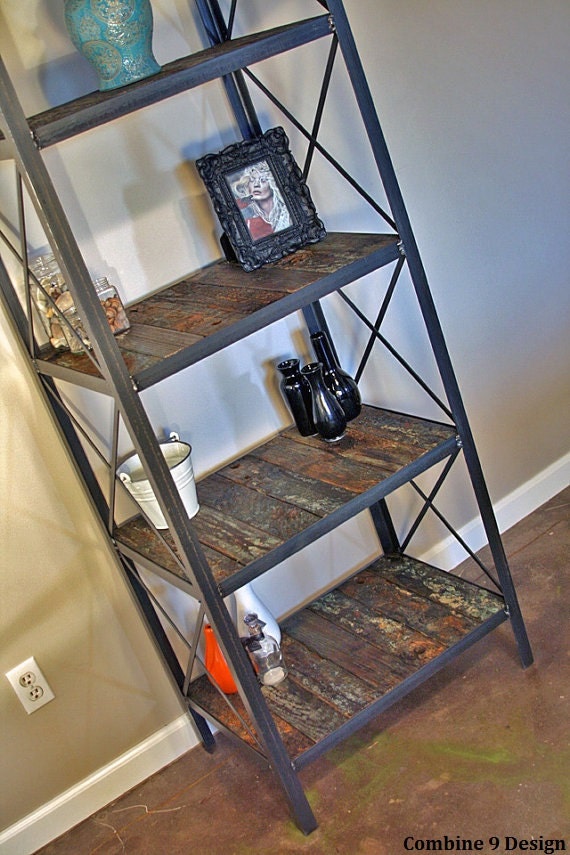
(56, 308)
(73, 330)
(113, 306)
(49, 289)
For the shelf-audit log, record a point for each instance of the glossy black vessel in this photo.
(297, 393)
(328, 415)
(340, 383)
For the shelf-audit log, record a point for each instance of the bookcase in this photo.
(365, 642)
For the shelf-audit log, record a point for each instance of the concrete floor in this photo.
(481, 751)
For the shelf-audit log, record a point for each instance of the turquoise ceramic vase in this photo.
(115, 36)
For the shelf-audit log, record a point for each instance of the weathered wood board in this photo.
(171, 321)
(349, 648)
(275, 493)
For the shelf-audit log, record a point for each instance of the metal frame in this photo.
(230, 58)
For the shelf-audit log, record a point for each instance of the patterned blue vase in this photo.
(115, 36)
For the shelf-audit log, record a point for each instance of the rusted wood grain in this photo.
(445, 588)
(326, 679)
(144, 539)
(155, 341)
(231, 537)
(277, 491)
(264, 279)
(399, 604)
(353, 645)
(244, 299)
(338, 249)
(279, 519)
(203, 693)
(342, 648)
(400, 645)
(288, 486)
(173, 319)
(322, 462)
(303, 710)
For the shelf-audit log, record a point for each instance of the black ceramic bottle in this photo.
(297, 393)
(340, 383)
(328, 415)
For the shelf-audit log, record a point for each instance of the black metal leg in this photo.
(498, 552)
(429, 312)
(385, 528)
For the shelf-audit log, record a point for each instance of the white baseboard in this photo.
(108, 783)
(99, 789)
(448, 553)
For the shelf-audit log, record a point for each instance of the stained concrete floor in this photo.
(479, 752)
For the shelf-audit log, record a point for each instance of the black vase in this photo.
(340, 383)
(328, 415)
(297, 393)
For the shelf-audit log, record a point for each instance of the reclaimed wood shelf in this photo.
(273, 501)
(353, 652)
(96, 108)
(221, 304)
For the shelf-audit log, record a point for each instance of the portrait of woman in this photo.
(259, 199)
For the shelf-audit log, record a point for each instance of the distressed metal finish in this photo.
(348, 651)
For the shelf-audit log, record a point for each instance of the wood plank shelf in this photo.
(221, 304)
(359, 648)
(276, 499)
(96, 108)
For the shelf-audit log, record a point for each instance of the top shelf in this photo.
(66, 121)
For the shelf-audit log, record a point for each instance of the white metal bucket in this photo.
(177, 456)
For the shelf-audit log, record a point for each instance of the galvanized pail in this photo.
(177, 456)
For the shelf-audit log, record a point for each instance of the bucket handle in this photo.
(174, 437)
(125, 477)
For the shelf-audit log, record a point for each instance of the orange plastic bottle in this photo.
(215, 663)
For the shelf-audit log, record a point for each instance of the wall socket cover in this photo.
(30, 685)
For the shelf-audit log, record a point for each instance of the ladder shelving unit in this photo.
(365, 643)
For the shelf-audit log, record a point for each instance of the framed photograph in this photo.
(263, 204)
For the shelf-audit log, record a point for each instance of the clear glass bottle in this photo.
(74, 331)
(113, 306)
(264, 653)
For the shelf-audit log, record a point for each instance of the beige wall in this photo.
(474, 100)
(64, 602)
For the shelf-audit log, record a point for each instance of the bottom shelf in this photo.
(358, 649)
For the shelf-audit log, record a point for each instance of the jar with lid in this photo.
(56, 307)
(50, 286)
(113, 306)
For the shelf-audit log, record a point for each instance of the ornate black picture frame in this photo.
(262, 201)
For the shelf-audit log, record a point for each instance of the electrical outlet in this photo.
(30, 685)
